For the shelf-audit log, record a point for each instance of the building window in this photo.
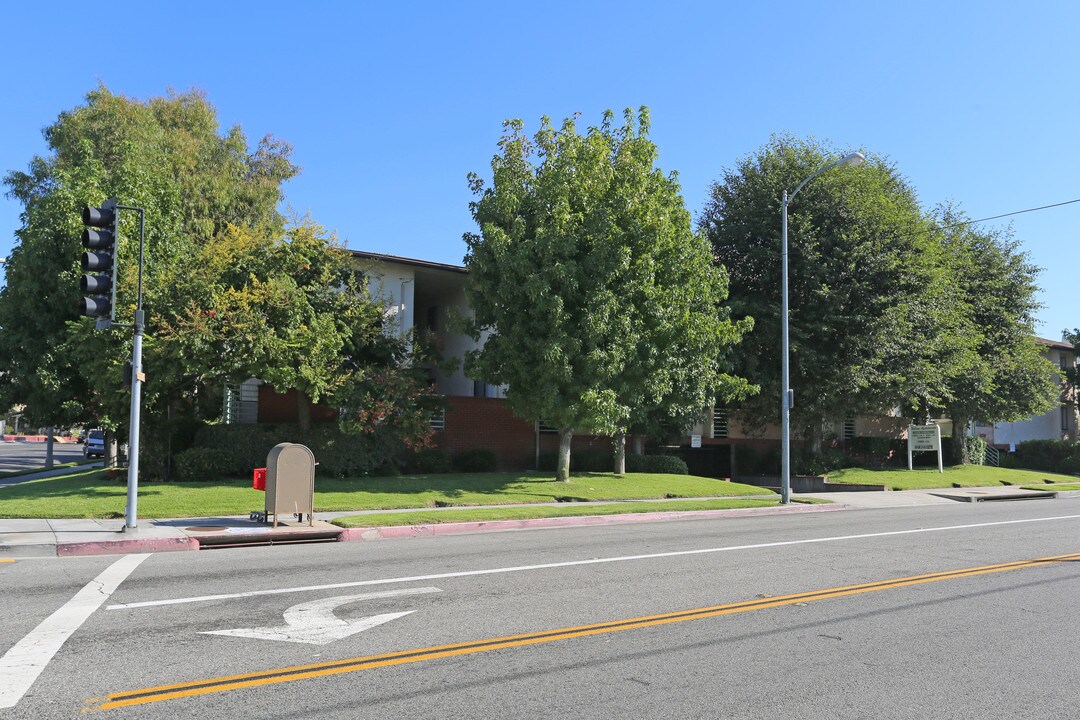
(438, 421)
(1064, 417)
(720, 423)
(848, 431)
(241, 403)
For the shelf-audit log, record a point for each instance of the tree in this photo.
(165, 155)
(857, 268)
(1009, 379)
(230, 291)
(578, 281)
(1071, 377)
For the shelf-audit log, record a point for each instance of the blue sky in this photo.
(389, 106)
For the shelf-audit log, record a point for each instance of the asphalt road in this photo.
(18, 456)
(993, 642)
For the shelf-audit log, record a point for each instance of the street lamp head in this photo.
(853, 160)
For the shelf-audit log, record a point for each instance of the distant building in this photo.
(422, 295)
(1058, 424)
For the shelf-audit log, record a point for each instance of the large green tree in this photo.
(858, 273)
(230, 291)
(165, 155)
(1009, 379)
(599, 306)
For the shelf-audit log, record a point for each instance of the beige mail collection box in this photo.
(290, 482)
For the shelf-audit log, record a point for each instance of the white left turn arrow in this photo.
(314, 622)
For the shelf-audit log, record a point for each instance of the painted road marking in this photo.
(370, 662)
(7, 560)
(570, 563)
(23, 663)
(314, 622)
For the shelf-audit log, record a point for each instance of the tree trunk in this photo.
(303, 411)
(110, 449)
(620, 452)
(639, 444)
(562, 469)
(49, 448)
(958, 449)
(814, 436)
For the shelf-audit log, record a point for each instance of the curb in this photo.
(359, 534)
(122, 547)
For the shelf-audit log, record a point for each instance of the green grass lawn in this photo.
(435, 517)
(1054, 486)
(31, 471)
(954, 476)
(90, 494)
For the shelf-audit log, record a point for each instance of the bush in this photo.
(1070, 466)
(478, 460)
(976, 450)
(201, 463)
(660, 464)
(830, 458)
(428, 461)
(592, 461)
(1048, 455)
(338, 454)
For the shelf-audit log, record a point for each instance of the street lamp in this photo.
(787, 396)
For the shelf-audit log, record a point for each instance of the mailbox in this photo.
(290, 481)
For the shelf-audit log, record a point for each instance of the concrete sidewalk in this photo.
(61, 538)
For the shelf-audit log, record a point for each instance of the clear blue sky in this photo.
(389, 105)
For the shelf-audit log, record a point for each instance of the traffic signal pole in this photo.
(102, 246)
(137, 378)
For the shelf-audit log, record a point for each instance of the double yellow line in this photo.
(370, 662)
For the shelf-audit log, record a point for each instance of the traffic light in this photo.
(99, 238)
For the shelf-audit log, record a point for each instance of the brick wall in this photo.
(275, 407)
(473, 422)
(487, 423)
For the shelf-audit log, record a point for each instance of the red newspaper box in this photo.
(259, 482)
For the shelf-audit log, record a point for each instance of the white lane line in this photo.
(22, 664)
(571, 563)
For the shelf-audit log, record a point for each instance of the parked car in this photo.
(94, 445)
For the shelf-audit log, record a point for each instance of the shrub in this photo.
(1048, 455)
(976, 450)
(338, 454)
(428, 461)
(661, 464)
(1070, 465)
(201, 463)
(478, 460)
(591, 461)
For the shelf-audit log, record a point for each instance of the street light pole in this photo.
(787, 395)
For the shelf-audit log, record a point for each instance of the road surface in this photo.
(953, 611)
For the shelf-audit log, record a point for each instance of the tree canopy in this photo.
(231, 289)
(891, 306)
(856, 266)
(600, 307)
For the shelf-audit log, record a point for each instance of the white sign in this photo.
(924, 438)
(314, 622)
(1012, 447)
(695, 441)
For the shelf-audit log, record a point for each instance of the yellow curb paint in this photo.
(4, 560)
(370, 662)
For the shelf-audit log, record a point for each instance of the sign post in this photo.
(924, 438)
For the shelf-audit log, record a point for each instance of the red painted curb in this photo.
(411, 531)
(119, 547)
